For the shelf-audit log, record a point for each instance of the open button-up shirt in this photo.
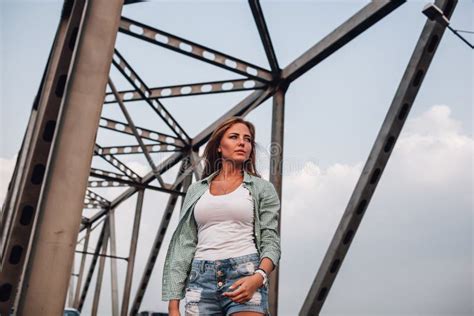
(184, 240)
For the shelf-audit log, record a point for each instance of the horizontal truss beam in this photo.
(125, 128)
(185, 90)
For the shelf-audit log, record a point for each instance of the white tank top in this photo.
(225, 225)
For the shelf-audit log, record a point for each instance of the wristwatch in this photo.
(263, 274)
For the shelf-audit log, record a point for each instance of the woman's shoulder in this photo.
(262, 184)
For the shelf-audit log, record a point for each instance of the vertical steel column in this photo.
(66, 175)
(276, 168)
(100, 272)
(131, 256)
(378, 158)
(81, 268)
(92, 265)
(113, 263)
(71, 287)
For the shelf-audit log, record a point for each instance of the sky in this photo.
(413, 252)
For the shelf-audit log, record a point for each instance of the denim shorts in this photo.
(208, 279)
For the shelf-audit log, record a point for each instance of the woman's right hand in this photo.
(173, 308)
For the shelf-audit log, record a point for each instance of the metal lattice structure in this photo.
(53, 171)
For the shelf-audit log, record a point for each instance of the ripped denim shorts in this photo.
(208, 279)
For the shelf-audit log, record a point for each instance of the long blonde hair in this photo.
(213, 159)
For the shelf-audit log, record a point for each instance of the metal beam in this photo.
(376, 162)
(100, 272)
(139, 85)
(71, 287)
(137, 149)
(183, 46)
(92, 265)
(113, 264)
(101, 255)
(358, 23)
(92, 196)
(163, 167)
(116, 163)
(136, 134)
(197, 165)
(191, 89)
(160, 234)
(265, 36)
(115, 182)
(124, 128)
(66, 172)
(81, 268)
(106, 174)
(132, 253)
(275, 177)
(22, 209)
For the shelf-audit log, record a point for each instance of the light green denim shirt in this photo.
(184, 240)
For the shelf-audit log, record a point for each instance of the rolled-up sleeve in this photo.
(269, 214)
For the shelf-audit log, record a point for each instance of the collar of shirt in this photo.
(208, 179)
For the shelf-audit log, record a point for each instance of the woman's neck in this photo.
(230, 171)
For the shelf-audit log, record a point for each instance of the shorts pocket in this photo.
(193, 275)
(246, 268)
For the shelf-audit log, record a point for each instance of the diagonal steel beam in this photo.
(116, 163)
(139, 85)
(97, 197)
(92, 266)
(81, 268)
(200, 88)
(114, 182)
(358, 23)
(163, 167)
(137, 135)
(376, 162)
(132, 253)
(100, 272)
(113, 264)
(265, 36)
(183, 46)
(98, 173)
(196, 164)
(160, 234)
(22, 208)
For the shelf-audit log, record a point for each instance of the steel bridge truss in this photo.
(53, 181)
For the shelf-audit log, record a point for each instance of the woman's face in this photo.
(236, 143)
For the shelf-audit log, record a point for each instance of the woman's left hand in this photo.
(246, 287)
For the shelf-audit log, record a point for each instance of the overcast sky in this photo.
(413, 252)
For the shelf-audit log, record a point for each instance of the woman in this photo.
(226, 242)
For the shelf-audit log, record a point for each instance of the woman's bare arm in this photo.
(173, 307)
